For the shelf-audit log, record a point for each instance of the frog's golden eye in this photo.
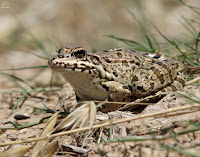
(79, 53)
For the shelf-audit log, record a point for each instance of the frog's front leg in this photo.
(118, 93)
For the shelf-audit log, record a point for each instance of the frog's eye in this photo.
(79, 53)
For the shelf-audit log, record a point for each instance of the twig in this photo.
(193, 81)
(103, 125)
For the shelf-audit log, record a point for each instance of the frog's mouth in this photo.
(65, 64)
(70, 66)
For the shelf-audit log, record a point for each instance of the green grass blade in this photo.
(189, 27)
(189, 98)
(35, 67)
(194, 9)
(196, 47)
(17, 78)
(14, 107)
(145, 31)
(180, 151)
(134, 44)
(37, 42)
(47, 58)
(171, 41)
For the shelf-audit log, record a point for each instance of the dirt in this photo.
(79, 23)
(157, 126)
(147, 127)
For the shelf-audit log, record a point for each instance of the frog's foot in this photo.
(107, 106)
(119, 94)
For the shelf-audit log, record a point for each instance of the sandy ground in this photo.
(85, 23)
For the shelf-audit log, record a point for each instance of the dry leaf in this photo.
(79, 116)
(16, 152)
(74, 149)
(48, 150)
(49, 127)
(93, 112)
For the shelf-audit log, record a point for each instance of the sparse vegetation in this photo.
(167, 139)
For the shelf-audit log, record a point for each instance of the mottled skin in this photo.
(119, 74)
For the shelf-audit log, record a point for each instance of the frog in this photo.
(118, 75)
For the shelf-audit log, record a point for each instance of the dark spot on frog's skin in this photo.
(105, 87)
(119, 49)
(95, 60)
(137, 63)
(75, 66)
(177, 66)
(60, 56)
(124, 62)
(89, 72)
(107, 59)
(106, 51)
(115, 73)
(141, 73)
(181, 81)
(132, 50)
(159, 63)
(130, 88)
(82, 64)
(124, 87)
(87, 67)
(103, 106)
(141, 88)
(135, 78)
(136, 57)
(156, 56)
(82, 70)
(152, 85)
(158, 74)
(173, 88)
(163, 90)
(132, 61)
(167, 68)
(98, 108)
(119, 54)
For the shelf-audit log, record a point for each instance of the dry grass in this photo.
(170, 127)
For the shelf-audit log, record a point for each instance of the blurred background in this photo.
(30, 28)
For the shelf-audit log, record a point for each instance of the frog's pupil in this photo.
(80, 53)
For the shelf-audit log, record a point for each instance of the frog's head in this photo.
(77, 60)
(82, 70)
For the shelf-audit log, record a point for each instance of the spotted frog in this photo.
(118, 74)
